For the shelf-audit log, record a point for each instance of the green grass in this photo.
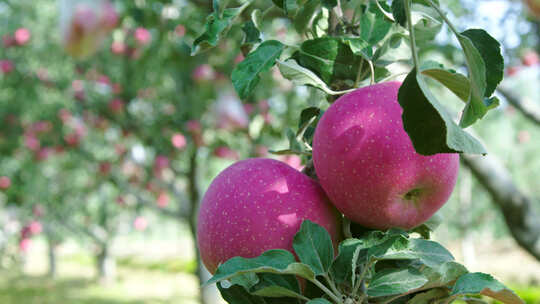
(137, 283)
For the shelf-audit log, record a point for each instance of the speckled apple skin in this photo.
(366, 162)
(256, 205)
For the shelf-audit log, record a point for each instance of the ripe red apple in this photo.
(116, 106)
(140, 223)
(259, 204)
(178, 141)
(142, 36)
(35, 227)
(22, 36)
(180, 30)
(367, 165)
(24, 245)
(226, 153)
(6, 66)
(530, 58)
(162, 200)
(5, 182)
(204, 72)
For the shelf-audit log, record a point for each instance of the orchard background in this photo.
(111, 131)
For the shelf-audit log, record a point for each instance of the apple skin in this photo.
(366, 163)
(256, 205)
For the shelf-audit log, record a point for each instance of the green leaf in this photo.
(475, 108)
(252, 35)
(245, 75)
(429, 23)
(490, 49)
(329, 4)
(429, 296)
(279, 3)
(398, 11)
(429, 226)
(236, 294)
(360, 47)
(272, 261)
(299, 75)
(313, 246)
(429, 126)
(329, 58)
(481, 283)
(319, 26)
(395, 48)
(217, 25)
(444, 274)
(318, 301)
(344, 265)
(430, 253)
(395, 281)
(373, 25)
(277, 286)
(457, 83)
(305, 15)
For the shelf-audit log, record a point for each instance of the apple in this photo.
(203, 73)
(530, 58)
(142, 36)
(140, 223)
(180, 30)
(116, 106)
(226, 153)
(35, 227)
(5, 182)
(24, 245)
(178, 141)
(105, 168)
(162, 200)
(118, 48)
(259, 204)
(6, 66)
(8, 41)
(22, 36)
(367, 165)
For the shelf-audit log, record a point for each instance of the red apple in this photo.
(140, 223)
(118, 48)
(180, 30)
(24, 245)
(256, 205)
(5, 182)
(22, 36)
(142, 36)
(530, 58)
(226, 153)
(116, 106)
(203, 73)
(35, 227)
(367, 165)
(162, 199)
(178, 141)
(6, 66)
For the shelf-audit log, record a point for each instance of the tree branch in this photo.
(525, 106)
(516, 206)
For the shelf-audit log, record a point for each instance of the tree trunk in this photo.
(208, 294)
(106, 265)
(517, 208)
(51, 248)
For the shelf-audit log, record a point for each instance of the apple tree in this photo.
(386, 154)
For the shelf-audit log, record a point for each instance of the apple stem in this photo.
(347, 228)
(327, 291)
